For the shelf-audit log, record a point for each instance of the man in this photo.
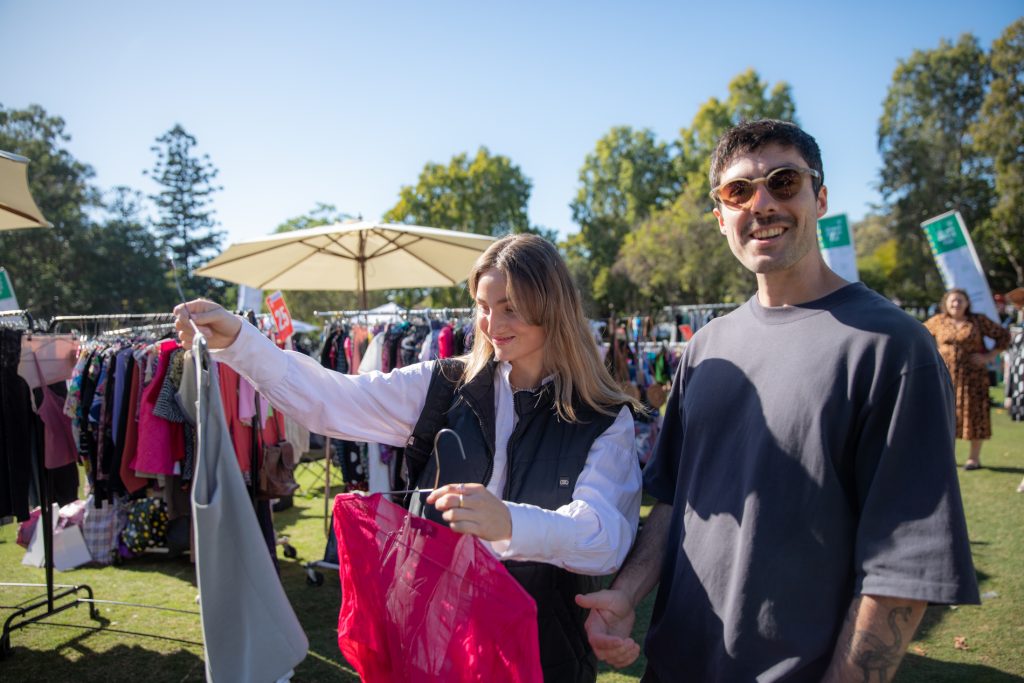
(808, 506)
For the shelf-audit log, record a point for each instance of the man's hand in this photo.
(609, 626)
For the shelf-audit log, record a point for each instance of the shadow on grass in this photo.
(159, 563)
(76, 661)
(1010, 470)
(918, 668)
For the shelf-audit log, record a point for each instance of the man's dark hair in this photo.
(750, 136)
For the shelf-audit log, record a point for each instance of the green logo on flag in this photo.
(6, 292)
(945, 235)
(833, 232)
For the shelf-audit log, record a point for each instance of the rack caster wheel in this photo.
(290, 552)
(314, 578)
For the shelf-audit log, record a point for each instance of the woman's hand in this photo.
(472, 509)
(218, 326)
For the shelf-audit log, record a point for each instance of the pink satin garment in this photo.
(421, 603)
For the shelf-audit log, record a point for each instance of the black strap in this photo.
(432, 419)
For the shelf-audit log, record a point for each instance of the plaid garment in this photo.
(101, 528)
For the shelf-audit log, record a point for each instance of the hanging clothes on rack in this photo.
(16, 428)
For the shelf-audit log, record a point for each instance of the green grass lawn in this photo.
(60, 649)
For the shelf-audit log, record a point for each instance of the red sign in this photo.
(279, 312)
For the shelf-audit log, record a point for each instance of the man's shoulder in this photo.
(868, 310)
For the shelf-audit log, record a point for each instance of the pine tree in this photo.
(186, 226)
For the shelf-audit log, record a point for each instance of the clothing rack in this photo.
(162, 317)
(20, 315)
(42, 608)
(49, 604)
(404, 313)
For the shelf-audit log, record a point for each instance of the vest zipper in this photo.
(490, 447)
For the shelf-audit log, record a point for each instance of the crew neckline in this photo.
(780, 315)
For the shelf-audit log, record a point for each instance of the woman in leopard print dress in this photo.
(960, 335)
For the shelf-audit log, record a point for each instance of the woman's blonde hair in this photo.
(542, 292)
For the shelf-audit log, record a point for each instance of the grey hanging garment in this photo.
(250, 632)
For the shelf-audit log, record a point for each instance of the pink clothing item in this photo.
(247, 403)
(161, 443)
(446, 342)
(47, 359)
(59, 445)
(421, 603)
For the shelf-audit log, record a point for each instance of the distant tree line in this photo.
(950, 135)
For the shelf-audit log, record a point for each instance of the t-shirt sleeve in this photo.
(912, 537)
(662, 469)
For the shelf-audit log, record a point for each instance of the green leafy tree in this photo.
(185, 225)
(678, 256)
(999, 134)
(485, 194)
(44, 263)
(627, 176)
(877, 251)
(129, 272)
(930, 162)
(749, 99)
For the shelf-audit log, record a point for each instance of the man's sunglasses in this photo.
(783, 184)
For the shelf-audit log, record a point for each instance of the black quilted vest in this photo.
(545, 457)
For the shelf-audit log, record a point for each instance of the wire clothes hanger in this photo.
(437, 463)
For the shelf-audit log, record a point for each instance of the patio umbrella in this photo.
(17, 208)
(354, 256)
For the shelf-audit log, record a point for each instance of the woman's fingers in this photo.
(218, 326)
(472, 509)
(448, 496)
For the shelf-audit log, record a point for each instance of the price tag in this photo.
(280, 315)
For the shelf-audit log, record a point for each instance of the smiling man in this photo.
(808, 506)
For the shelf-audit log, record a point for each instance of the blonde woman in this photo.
(551, 482)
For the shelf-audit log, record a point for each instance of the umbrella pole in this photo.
(362, 271)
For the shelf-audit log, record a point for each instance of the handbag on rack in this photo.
(277, 464)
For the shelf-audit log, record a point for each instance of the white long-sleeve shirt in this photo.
(590, 535)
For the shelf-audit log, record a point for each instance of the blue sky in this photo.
(339, 102)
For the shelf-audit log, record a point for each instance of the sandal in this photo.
(972, 465)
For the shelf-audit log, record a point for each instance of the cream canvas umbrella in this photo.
(354, 256)
(17, 208)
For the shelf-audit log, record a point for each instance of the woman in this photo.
(551, 482)
(960, 335)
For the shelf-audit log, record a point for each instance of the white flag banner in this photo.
(958, 262)
(250, 299)
(836, 242)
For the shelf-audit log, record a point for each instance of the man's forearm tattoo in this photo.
(870, 653)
